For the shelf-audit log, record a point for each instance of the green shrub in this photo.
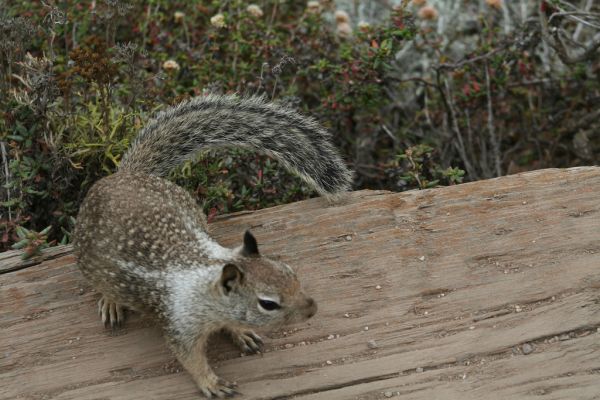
(80, 88)
(412, 101)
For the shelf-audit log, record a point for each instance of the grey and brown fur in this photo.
(143, 242)
(300, 143)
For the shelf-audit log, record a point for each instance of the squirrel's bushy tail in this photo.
(300, 143)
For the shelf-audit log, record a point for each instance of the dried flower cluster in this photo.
(313, 7)
(179, 16)
(218, 21)
(428, 13)
(171, 65)
(497, 4)
(254, 10)
(343, 27)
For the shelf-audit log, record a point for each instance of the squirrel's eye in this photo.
(268, 305)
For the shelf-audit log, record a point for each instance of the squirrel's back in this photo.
(132, 228)
(138, 215)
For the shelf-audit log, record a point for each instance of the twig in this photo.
(575, 16)
(261, 77)
(275, 87)
(581, 123)
(186, 32)
(552, 38)
(272, 19)
(469, 131)
(587, 8)
(426, 108)
(451, 112)
(389, 133)
(412, 79)
(491, 128)
(482, 57)
(7, 177)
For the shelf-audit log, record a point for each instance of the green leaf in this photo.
(10, 203)
(22, 232)
(19, 245)
(35, 192)
(46, 230)
(21, 129)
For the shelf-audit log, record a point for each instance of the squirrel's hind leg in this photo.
(111, 313)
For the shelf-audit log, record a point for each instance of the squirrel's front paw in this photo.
(246, 340)
(212, 386)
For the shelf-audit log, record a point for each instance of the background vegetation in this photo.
(417, 93)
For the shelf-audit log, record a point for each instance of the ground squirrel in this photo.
(143, 244)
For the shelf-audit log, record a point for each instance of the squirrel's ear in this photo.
(231, 277)
(250, 247)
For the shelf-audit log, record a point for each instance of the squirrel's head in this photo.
(261, 291)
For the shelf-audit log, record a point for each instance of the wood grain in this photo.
(487, 290)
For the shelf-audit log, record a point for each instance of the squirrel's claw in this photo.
(253, 341)
(257, 339)
(228, 388)
(220, 389)
(248, 341)
(111, 313)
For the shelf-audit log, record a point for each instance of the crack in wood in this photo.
(327, 388)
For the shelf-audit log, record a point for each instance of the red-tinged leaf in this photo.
(260, 174)
(5, 237)
(547, 8)
(374, 44)
(522, 68)
(212, 214)
(476, 87)
(466, 89)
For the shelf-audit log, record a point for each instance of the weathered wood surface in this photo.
(489, 290)
(12, 260)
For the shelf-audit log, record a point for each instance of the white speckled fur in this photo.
(187, 289)
(211, 248)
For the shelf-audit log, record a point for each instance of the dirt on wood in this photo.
(487, 290)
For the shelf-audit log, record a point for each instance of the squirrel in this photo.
(143, 242)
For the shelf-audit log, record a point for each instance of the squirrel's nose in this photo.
(311, 307)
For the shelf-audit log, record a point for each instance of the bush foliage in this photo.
(412, 101)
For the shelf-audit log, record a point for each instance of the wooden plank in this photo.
(451, 283)
(13, 260)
